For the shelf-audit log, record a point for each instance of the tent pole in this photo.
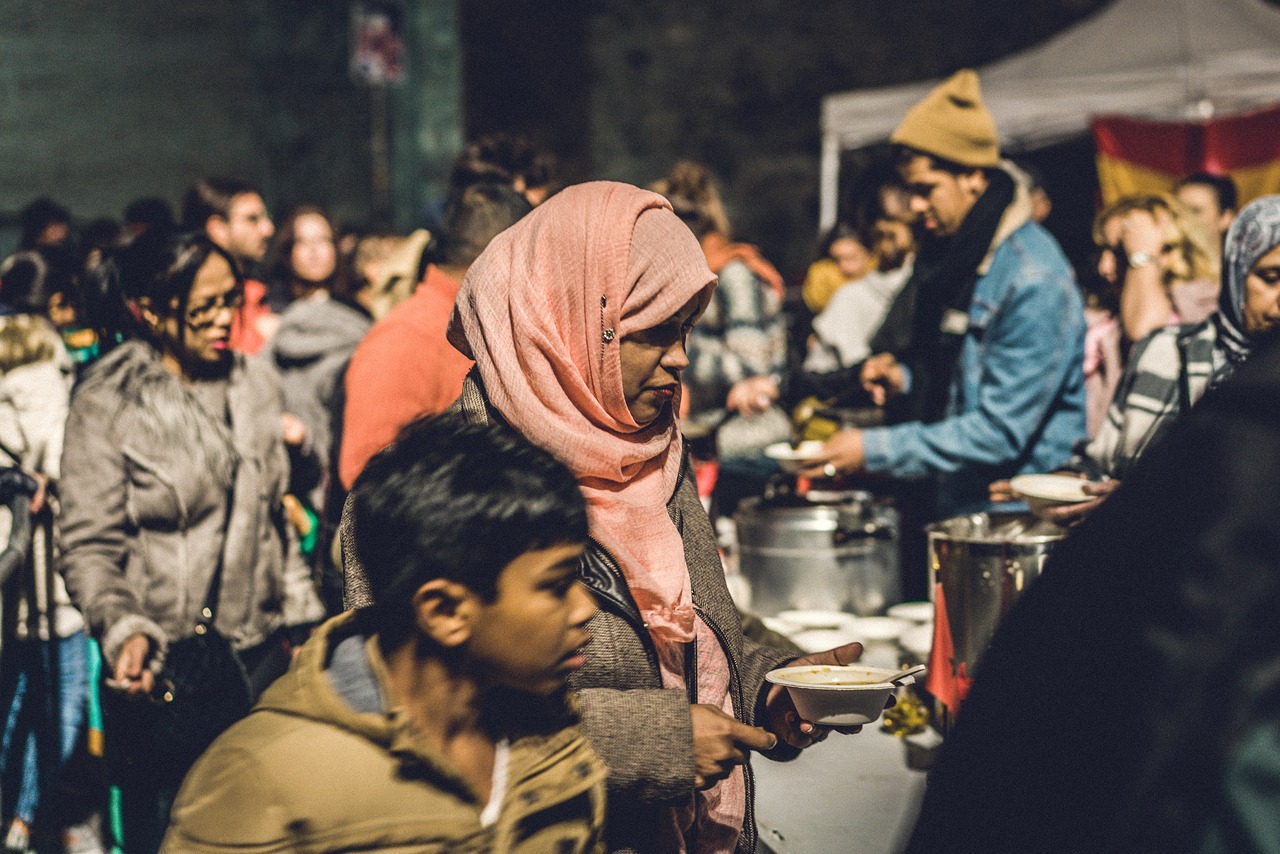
(828, 182)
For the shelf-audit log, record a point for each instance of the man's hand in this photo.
(131, 673)
(1073, 514)
(1000, 492)
(841, 454)
(883, 377)
(720, 742)
(781, 717)
(752, 395)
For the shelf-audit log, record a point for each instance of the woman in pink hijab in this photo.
(576, 318)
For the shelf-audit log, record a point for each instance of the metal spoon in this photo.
(910, 671)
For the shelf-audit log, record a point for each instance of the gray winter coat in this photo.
(311, 349)
(643, 731)
(148, 480)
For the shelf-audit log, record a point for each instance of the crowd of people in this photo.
(384, 489)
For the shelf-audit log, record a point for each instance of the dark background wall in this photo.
(103, 102)
(739, 86)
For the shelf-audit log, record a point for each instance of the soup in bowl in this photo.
(835, 695)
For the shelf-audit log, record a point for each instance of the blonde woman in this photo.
(1164, 259)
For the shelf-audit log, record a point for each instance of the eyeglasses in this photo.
(206, 313)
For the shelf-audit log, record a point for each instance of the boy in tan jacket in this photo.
(437, 718)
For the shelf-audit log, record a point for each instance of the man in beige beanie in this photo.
(986, 374)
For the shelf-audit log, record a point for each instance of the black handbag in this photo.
(202, 689)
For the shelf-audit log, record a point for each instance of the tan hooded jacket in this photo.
(305, 771)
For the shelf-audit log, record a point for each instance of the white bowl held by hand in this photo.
(835, 695)
(1042, 491)
(791, 459)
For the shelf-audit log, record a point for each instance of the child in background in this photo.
(846, 258)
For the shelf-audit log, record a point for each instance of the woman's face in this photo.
(1109, 253)
(850, 256)
(314, 256)
(1262, 295)
(200, 339)
(652, 360)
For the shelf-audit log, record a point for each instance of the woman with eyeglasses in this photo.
(173, 474)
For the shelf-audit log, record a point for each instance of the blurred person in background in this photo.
(844, 258)
(405, 368)
(231, 213)
(1041, 202)
(44, 658)
(1170, 369)
(318, 331)
(505, 158)
(148, 212)
(1103, 356)
(738, 349)
(173, 475)
(1163, 258)
(1213, 199)
(842, 333)
(51, 275)
(97, 238)
(45, 223)
(514, 159)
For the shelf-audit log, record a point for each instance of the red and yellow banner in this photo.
(1143, 156)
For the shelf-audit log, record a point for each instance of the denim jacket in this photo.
(1017, 402)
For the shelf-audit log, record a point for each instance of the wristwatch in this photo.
(1141, 259)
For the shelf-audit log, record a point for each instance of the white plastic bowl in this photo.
(792, 459)
(837, 696)
(1045, 491)
(915, 612)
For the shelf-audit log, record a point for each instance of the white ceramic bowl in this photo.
(834, 695)
(815, 619)
(918, 641)
(878, 629)
(791, 459)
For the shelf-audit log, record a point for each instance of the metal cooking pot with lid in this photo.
(983, 562)
(837, 554)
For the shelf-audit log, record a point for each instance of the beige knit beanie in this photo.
(952, 123)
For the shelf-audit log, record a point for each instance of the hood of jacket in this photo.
(340, 678)
(311, 329)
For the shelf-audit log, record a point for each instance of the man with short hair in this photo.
(232, 213)
(1212, 198)
(990, 371)
(405, 368)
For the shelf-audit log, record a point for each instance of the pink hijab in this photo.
(544, 310)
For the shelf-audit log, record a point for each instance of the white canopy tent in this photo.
(1169, 59)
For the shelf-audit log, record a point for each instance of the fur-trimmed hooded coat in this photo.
(154, 488)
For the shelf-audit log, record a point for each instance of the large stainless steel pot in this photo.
(836, 555)
(983, 562)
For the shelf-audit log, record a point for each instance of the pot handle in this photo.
(868, 531)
